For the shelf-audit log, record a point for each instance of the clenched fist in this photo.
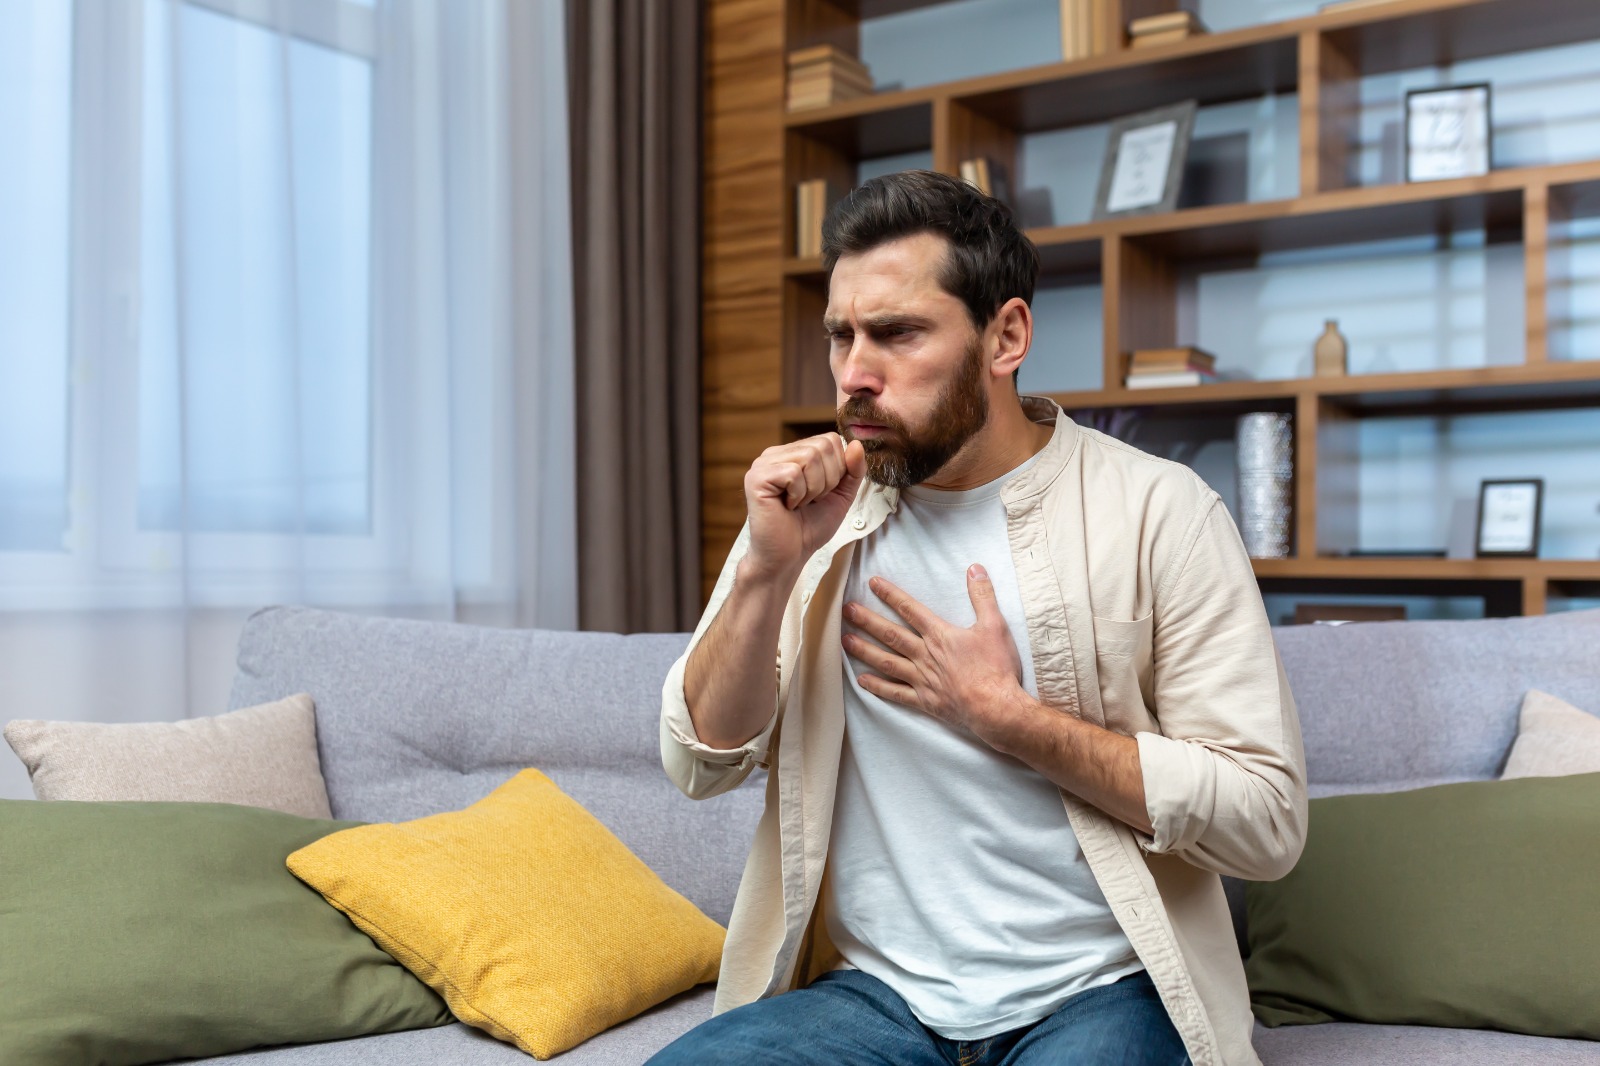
(797, 494)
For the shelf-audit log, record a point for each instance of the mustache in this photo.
(861, 410)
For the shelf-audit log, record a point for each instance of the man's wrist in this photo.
(753, 575)
(1011, 722)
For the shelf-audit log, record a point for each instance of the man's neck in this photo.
(1007, 442)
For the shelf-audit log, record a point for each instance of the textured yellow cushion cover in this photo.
(524, 912)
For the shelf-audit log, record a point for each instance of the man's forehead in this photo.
(898, 277)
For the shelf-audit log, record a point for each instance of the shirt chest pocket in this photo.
(1123, 659)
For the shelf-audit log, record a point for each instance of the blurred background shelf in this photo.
(1473, 304)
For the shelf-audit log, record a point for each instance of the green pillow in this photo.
(141, 932)
(1469, 906)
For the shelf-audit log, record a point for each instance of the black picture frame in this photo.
(1181, 118)
(1488, 125)
(1532, 551)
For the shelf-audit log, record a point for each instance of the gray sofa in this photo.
(415, 718)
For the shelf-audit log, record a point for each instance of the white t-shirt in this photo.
(954, 874)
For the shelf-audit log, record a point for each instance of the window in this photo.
(186, 298)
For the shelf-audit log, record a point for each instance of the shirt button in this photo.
(860, 522)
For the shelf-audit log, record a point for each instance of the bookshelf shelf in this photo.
(766, 370)
(1436, 392)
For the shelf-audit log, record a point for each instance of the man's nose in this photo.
(859, 370)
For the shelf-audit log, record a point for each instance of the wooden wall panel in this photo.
(741, 298)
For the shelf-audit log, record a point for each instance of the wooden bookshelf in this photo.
(763, 306)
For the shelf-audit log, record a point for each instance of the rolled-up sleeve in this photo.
(699, 770)
(1224, 778)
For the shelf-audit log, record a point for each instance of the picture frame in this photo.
(1448, 132)
(1509, 518)
(1142, 172)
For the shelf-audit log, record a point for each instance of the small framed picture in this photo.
(1508, 518)
(1447, 132)
(1143, 167)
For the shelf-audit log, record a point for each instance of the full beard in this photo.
(900, 458)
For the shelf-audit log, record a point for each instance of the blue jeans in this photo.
(847, 1017)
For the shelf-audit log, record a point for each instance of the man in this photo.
(1026, 707)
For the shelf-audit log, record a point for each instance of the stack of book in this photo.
(1081, 28)
(811, 205)
(1163, 29)
(1165, 368)
(823, 75)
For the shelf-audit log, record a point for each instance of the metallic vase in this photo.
(1266, 483)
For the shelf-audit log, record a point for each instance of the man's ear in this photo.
(1013, 336)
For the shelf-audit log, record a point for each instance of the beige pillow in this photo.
(263, 756)
(1554, 739)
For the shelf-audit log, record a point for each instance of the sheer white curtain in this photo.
(284, 318)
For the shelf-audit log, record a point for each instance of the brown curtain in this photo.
(633, 78)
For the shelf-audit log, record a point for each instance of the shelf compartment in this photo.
(1342, 216)
(1535, 386)
(1429, 569)
(1211, 69)
(1567, 289)
(1424, 34)
(1555, 385)
(880, 124)
(1499, 597)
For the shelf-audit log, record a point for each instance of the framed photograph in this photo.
(1447, 132)
(1143, 168)
(1508, 517)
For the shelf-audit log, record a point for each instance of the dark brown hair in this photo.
(989, 260)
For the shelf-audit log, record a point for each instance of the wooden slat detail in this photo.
(1306, 420)
(1330, 112)
(744, 210)
(1337, 511)
(1534, 594)
(1536, 270)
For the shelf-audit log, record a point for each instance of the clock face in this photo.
(1447, 133)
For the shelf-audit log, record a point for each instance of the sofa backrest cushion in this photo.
(1392, 705)
(416, 718)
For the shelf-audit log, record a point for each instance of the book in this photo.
(810, 78)
(822, 95)
(1145, 359)
(1077, 29)
(812, 199)
(1171, 380)
(1166, 22)
(988, 176)
(824, 53)
(824, 75)
(1151, 40)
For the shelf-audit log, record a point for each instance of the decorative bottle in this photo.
(1330, 351)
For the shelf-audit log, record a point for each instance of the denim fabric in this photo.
(850, 1017)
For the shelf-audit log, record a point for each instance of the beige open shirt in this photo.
(1144, 616)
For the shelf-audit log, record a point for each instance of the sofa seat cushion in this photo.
(1355, 1044)
(626, 1044)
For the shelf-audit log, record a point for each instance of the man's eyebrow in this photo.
(830, 323)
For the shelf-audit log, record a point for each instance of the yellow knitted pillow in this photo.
(524, 912)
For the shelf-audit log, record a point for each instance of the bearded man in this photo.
(1015, 688)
